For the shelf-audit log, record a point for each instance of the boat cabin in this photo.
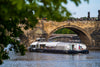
(58, 46)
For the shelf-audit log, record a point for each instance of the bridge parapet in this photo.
(51, 25)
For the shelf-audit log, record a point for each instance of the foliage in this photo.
(1, 61)
(64, 31)
(3, 54)
(15, 12)
(22, 49)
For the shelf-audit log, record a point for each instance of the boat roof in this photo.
(34, 43)
(56, 43)
(52, 43)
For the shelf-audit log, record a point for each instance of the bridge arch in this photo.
(83, 34)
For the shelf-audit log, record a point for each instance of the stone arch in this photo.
(83, 34)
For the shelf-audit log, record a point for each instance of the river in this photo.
(32, 59)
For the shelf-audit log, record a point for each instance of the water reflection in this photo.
(53, 60)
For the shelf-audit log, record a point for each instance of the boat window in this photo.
(80, 48)
(33, 46)
(72, 47)
(37, 46)
(42, 46)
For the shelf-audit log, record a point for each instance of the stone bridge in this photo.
(88, 31)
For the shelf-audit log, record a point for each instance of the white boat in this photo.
(58, 47)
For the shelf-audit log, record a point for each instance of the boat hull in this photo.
(59, 51)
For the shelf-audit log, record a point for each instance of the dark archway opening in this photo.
(79, 33)
(65, 35)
